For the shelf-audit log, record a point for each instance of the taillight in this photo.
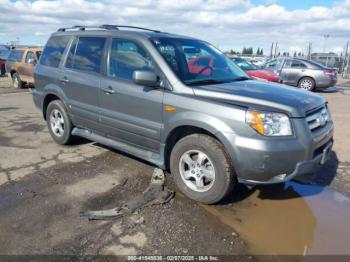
(329, 72)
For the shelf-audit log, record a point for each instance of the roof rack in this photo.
(106, 27)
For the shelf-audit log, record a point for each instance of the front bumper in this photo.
(262, 160)
(304, 167)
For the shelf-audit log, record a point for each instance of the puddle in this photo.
(291, 219)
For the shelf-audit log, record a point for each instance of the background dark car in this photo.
(302, 73)
(4, 53)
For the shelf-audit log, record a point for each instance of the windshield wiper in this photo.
(206, 81)
(242, 78)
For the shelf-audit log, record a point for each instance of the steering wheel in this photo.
(205, 68)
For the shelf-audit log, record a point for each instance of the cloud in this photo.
(225, 23)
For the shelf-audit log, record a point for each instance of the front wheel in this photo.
(201, 168)
(306, 83)
(16, 81)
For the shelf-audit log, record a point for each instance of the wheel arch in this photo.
(182, 131)
(12, 72)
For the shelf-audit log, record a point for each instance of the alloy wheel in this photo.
(57, 123)
(197, 170)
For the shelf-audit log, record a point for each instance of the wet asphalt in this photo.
(44, 186)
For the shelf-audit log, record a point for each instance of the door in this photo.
(26, 69)
(80, 80)
(292, 71)
(130, 113)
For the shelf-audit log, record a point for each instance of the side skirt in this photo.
(154, 158)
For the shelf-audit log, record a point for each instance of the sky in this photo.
(228, 24)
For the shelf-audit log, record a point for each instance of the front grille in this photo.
(318, 119)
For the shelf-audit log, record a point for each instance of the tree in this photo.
(258, 51)
(247, 51)
(261, 52)
(295, 54)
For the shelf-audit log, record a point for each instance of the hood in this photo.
(262, 73)
(263, 95)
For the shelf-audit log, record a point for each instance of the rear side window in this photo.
(16, 55)
(86, 54)
(53, 51)
(298, 64)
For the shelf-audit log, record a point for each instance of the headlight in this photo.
(269, 123)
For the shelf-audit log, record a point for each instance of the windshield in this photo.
(243, 64)
(194, 61)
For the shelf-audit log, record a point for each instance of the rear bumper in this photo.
(327, 82)
(37, 99)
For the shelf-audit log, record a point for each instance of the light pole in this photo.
(326, 36)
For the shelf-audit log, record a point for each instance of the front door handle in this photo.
(108, 90)
(64, 79)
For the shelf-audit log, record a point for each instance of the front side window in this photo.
(30, 57)
(53, 51)
(86, 54)
(197, 62)
(16, 55)
(127, 56)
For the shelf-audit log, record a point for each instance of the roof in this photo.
(29, 48)
(111, 30)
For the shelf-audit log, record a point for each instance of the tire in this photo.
(216, 171)
(16, 81)
(59, 123)
(2, 70)
(306, 83)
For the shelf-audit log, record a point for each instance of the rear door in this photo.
(13, 60)
(26, 68)
(81, 77)
(130, 113)
(293, 71)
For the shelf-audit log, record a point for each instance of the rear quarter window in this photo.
(53, 51)
(16, 55)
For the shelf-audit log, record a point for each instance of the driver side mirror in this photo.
(145, 78)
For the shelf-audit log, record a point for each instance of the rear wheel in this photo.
(201, 169)
(2, 70)
(16, 81)
(59, 123)
(306, 83)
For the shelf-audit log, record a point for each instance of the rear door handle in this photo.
(64, 79)
(108, 90)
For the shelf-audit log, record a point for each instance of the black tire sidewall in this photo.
(66, 138)
(223, 178)
(309, 78)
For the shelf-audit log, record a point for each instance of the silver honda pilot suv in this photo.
(180, 104)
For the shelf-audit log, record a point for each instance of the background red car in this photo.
(4, 52)
(255, 72)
